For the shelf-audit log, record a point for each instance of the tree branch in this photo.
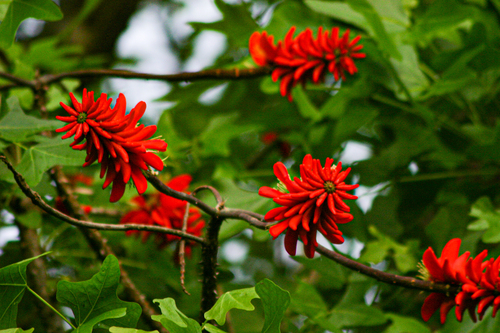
(38, 201)
(209, 74)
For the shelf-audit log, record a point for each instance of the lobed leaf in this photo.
(95, 300)
(13, 283)
(173, 319)
(235, 299)
(16, 126)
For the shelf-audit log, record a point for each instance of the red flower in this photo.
(160, 209)
(314, 202)
(297, 60)
(113, 139)
(448, 269)
(478, 280)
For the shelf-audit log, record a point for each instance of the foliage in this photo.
(418, 124)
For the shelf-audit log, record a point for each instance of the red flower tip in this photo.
(305, 58)
(313, 203)
(113, 139)
(160, 209)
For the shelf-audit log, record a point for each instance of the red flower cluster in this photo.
(297, 60)
(160, 209)
(479, 281)
(314, 202)
(113, 139)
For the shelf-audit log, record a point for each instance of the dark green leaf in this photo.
(17, 127)
(353, 315)
(91, 300)
(19, 10)
(235, 299)
(88, 327)
(275, 301)
(31, 219)
(13, 283)
(173, 319)
(17, 330)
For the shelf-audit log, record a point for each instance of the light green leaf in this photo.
(111, 314)
(212, 329)
(13, 283)
(235, 299)
(173, 319)
(17, 330)
(19, 10)
(16, 126)
(91, 299)
(275, 301)
(405, 324)
(220, 131)
(487, 219)
(116, 329)
(384, 40)
(38, 159)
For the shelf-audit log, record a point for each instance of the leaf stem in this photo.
(51, 307)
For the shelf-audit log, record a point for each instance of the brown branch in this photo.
(252, 218)
(182, 249)
(257, 221)
(38, 201)
(209, 74)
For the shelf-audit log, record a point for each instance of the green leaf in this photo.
(331, 274)
(457, 76)
(173, 319)
(212, 329)
(19, 10)
(235, 299)
(116, 329)
(17, 330)
(91, 299)
(38, 159)
(353, 315)
(31, 219)
(219, 132)
(305, 106)
(17, 127)
(487, 219)
(385, 41)
(13, 283)
(357, 115)
(111, 314)
(275, 301)
(376, 251)
(237, 23)
(405, 324)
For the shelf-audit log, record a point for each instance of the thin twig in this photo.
(218, 198)
(38, 201)
(182, 250)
